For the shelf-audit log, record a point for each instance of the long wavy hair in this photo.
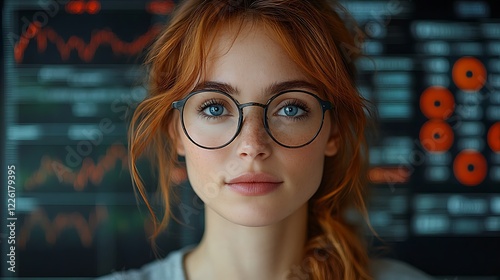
(318, 37)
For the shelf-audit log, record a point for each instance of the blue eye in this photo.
(214, 110)
(291, 111)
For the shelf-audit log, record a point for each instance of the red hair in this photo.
(316, 38)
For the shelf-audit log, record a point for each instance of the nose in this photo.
(253, 142)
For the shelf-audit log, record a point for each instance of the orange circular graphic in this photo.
(93, 7)
(436, 136)
(437, 103)
(75, 7)
(494, 137)
(470, 167)
(469, 74)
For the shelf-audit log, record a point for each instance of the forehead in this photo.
(249, 56)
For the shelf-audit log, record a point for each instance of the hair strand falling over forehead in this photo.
(315, 37)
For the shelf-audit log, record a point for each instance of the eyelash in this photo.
(299, 104)
(208, 103)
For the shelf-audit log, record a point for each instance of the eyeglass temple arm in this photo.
(326, 105)
(178, 104)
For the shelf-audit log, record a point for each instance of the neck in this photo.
(232, 251)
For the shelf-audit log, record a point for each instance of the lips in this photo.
(253, 184)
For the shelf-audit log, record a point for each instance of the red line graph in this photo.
(61, 222)
(86, 51)
(159, 7)
(89, 171)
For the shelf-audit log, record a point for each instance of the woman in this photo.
(259, 98)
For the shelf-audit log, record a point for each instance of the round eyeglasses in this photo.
(212, 119)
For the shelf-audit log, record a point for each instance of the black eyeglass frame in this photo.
(179, 105)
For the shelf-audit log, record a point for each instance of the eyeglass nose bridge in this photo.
(249, 104)
(241, 106)
(264, 121)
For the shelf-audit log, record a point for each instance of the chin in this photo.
(254, 216)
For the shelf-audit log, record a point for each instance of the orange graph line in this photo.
(89, 171)
(60, 223)
(389, 175)
(86, 51)
(160, 7)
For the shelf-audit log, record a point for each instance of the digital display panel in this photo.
(72, 75)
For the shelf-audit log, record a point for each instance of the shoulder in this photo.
(389, 269)
(169, 268)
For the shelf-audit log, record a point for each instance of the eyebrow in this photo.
(273, 89)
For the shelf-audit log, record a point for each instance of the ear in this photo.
(332, 145)
(175, 132)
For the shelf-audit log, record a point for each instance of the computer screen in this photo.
(73, 74)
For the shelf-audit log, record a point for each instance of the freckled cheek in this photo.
(305, 168)
(203, 166)
(199, 162)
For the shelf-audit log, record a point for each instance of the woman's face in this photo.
(254, 181)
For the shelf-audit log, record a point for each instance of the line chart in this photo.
(89, 171)
(160, 7)
(86, 51)
(60, 223)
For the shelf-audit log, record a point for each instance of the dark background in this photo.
(87, 222)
